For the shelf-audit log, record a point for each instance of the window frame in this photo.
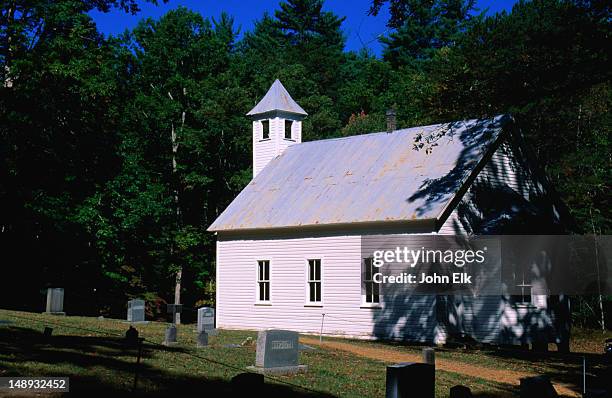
(258, 300)
(518, 300)
(363, 289)
(264, 123)
(290, 138)
(308, 281)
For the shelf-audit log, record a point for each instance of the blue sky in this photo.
(360, 29)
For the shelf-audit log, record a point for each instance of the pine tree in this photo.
(420, 27)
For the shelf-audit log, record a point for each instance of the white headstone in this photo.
(277, 352)
(206, 321)
(55, 301)
(136, 311)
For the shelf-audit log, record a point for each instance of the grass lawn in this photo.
(586, 344)
(92, 354)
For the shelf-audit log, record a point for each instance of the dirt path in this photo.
(381, 354)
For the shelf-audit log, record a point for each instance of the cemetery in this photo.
(89, 349)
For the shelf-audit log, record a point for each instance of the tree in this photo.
(57, 135)
(420, 27)
(303, 47)
(24, 25)
(179, 135)
(548, 64)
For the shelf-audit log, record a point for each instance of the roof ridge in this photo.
(465, 121)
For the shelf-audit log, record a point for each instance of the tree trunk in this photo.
(10, 21)
(179, 272)
(601, 309)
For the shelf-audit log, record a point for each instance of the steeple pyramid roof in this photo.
(277, 99)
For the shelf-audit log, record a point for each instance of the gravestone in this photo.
(537, 387)
(136, 311)
(206, 321)
(171, 333)
(47, 333)
(55, 301)
(202, 339)
(429, 356)
(277, 353)
(407, 380)
(174, 309)
(460, 392)
(131, 337)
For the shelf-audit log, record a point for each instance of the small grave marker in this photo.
(131, 337)
(202, 339)
(171, 333)
(429, 356)
(55, 301)
(277, 353)
(460, 392)
(537, 387)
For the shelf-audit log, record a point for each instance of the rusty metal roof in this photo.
(373, 177)
(277, 99)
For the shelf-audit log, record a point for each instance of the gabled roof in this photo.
(376, 177)
(277, 99)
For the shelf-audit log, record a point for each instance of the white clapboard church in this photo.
(288, 246)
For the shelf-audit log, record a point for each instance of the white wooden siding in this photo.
(266, 150)
(493, 319)
(263, 150)
(505, 169)
(341, 302)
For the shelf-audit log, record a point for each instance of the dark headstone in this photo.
(537, 387)
(55, 301)
(429, 356)
(563, 346)
(131, 337)
(247, 383)
(278, 352)
(460, 392)
(47, 332)
(202, 339)
(539, 346)
(136, 311)
(407, 380)
(171, 333)
(174, 309)
(206, 320)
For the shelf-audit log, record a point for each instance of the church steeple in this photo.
(277, 124)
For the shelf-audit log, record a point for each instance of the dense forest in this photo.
(118, 152)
